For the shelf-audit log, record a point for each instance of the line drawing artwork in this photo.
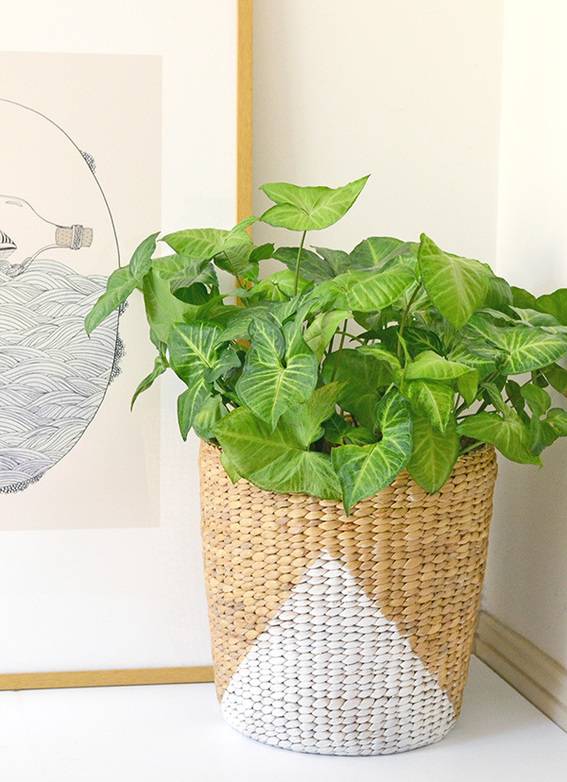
(53, 378)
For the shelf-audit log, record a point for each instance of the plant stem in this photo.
(341, 344)
(405, 314)
(298, 262)
(343, 334)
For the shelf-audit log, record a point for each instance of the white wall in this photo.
(407, 91)
(411, 92)
(526, 584)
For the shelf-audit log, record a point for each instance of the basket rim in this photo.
(467, 459)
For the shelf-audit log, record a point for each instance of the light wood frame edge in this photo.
(106, 678)
(198, 673)
(244, 108)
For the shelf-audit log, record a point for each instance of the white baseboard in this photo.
(535, 675)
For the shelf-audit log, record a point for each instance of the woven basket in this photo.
(345, 635)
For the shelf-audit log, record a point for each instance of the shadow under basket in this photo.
(344, 635)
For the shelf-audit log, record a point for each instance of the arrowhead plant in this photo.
(341, 368)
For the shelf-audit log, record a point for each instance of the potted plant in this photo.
(350, 405)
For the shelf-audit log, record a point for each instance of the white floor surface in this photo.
(175, 734)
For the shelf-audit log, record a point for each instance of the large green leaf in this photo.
(231, 250)
(237, 248)
(544, 432)
(365, 470)
(262, 252)
(163, 309)
(536, 318)
(519, 348)
(141, 260)
(200, 243)
(229, 467)
(509, 434)
(434, 453)
(557, 419)
(381, 353)
(239, 322)
(312, 266)
(523, 298)
(214, 312)
(557, 377)
(322, 329)
(529, 349)
(419, 338)
(193, 354)
(457, 286)
(482, 325)
(491, 392)
(374, 290)
(272, 382)
(475, 357)
(363, 379)
(467, 385)
(336, 428)
(189, 270)
(542, 435)
(514, 392)
(309, 208)
(268, 341)
(227, 361)
(207, 417)
(192, 293)
(537, 398)
(376, 251)
(279, 286)
(499, 294)
(430, 366)
(337, 261)
(119, 286)
(555, 304)
(305, 420)
(274, 459)
(359, 435)
(190, 402)
(433, 400)
(192, 350)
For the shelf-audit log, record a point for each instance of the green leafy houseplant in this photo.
(333, 374)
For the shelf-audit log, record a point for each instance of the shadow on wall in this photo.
(528, 545)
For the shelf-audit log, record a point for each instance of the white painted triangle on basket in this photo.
(330, 674)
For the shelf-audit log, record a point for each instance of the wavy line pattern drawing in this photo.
(52, 376)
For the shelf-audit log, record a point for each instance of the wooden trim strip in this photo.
(244, 109)
(529, 670)
(106, 678)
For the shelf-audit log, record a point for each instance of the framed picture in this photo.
(137, 118)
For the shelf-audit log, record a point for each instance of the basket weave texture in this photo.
(344, 635)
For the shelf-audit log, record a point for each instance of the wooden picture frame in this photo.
(189, 674)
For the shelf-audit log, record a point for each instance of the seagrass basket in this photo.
(344, 635)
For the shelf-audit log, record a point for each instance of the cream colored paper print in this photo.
(60, 239)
